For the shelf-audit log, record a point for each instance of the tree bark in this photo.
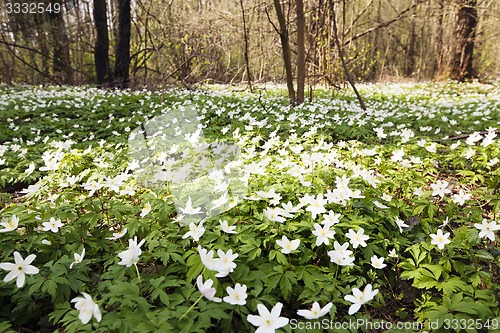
(463, 44)
(101, 49)
(285, 49)
(61, 65)
(301, 51)
(410, 50)
(245, 35)
(438, 68)
(122, 64)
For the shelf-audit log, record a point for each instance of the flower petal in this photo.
(354, 308)
(20, 279)
(29, 259)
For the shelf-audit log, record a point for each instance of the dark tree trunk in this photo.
(410, 50)
(61, 65)
(285, 48)
(301, 51)
(101, 49)
(463, 41)
(246, 54)
(122, 63)
(438, 68)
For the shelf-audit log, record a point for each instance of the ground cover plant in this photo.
(386, 215)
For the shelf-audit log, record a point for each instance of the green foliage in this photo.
(301, 151)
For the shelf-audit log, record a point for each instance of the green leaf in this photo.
(454, 284)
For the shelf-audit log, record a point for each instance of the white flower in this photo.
(469, 153)
(131, 256)
(195, 231)
(189, 210)
(379, 205)
(357, 238)
(226, 228)
(287, 245)
(359, 298)
(271, 194)
(455, 145)
(418, 192)
(118, 235)
(268, 322)
(10, 225)
(19, 269)
(274, 214)
(401, 224)
(493, 161)
(87, 308)
(393, 254)
(341, 255)
(445, 222)
(114, 183)
(93, 186)
(440, 239)
(220, 201)
(440, 188)
(377, 262)
(432, 147)
(53, 225)
(473, 138)
(289, 209)
(206, 289)
(461, 197)
(316, 311)
(78, 258)
(331, 218)
(386, 197)
(397, 155)
(147, 208)
(487, 229)
(30, 169)
(317, 206)
(225, 263)
(236, 295)
(323, 234)
(32, 189)
(207, 258)
(51, 164)
(489, 138)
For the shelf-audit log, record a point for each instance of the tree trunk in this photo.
(438, 68)
(463, 41)
(410, 50)
(245, 35)
(122, 64)
(101, 49)
(61, 65)
(285, 48)
(301, 51)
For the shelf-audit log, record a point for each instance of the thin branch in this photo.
(271, 21)
(466, 135)
(399, 16)
(341, 55)
(40, 53)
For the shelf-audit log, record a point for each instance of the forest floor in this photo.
(199, 211)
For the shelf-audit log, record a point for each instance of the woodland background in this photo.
(125, 43)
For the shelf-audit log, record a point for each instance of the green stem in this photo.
(192, 306)
(138, 275)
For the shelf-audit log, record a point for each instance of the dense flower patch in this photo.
(386, 214)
